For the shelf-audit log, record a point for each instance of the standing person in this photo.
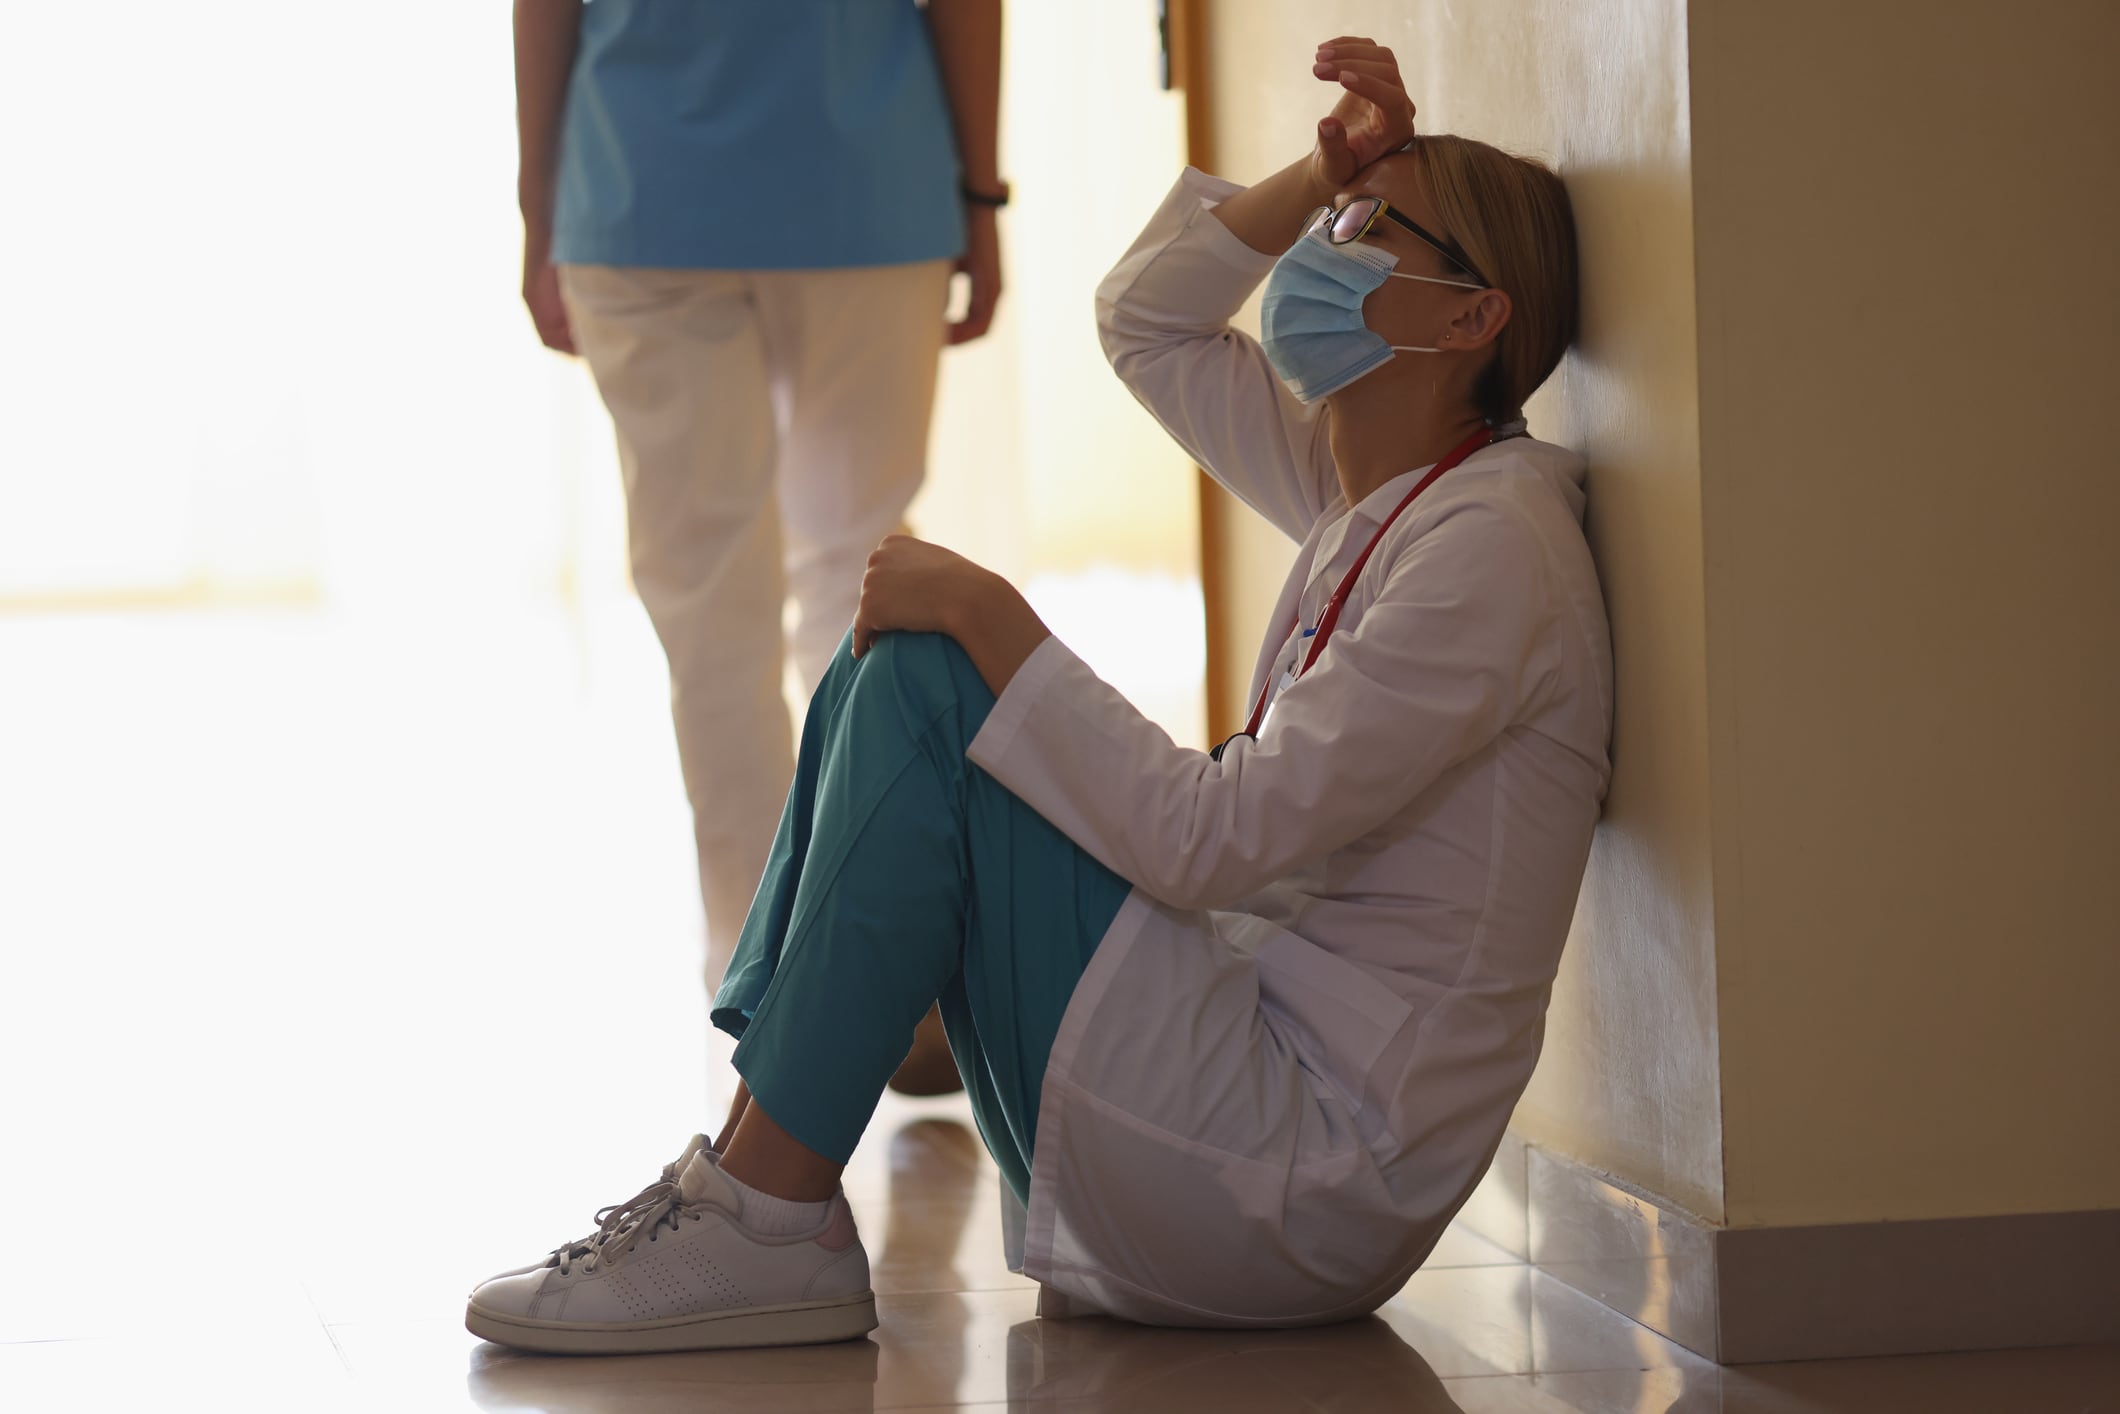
(745, 217)
(1242, 1028)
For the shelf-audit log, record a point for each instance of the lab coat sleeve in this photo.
(1461, 643)
(1163, 316)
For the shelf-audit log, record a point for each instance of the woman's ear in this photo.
(1481, 321)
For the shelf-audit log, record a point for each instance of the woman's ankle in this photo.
(768, 1160)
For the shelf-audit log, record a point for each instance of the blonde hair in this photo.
(1511, 216)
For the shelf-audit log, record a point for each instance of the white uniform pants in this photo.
(772, 427)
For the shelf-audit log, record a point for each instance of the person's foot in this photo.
(929, 1068)
(673, 1269)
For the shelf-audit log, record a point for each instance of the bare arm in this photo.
(1267, 217)
(998, 630)
(967, 39)
(545, 35)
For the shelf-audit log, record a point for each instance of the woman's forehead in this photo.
(1397, 179)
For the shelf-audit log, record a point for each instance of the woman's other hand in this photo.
(548, 311)
(914, 587)
(981, 266)
(1373, 117)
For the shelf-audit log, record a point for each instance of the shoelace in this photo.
(620, 1226)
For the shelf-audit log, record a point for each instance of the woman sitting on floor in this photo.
(1242, 1028)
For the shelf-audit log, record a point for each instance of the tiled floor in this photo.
(346, 964)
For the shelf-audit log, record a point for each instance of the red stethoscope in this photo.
(1331, 617)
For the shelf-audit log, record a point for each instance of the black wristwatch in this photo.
(984, 198)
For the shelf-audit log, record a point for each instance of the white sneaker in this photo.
(672, 1269)
(580, 1247)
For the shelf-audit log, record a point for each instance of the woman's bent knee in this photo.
(927, 677)
(930, 662)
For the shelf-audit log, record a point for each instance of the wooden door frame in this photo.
(1192, 74)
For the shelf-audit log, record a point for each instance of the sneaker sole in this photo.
(801, 1323)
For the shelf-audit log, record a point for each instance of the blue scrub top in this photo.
(756, 135)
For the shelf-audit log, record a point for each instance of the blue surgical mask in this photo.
(1310, 320)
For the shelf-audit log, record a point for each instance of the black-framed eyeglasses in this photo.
(1352, 218)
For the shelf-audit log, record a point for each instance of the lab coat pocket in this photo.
(1338, 1017)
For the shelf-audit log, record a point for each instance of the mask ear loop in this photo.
(1427, 280)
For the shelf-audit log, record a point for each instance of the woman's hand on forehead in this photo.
(1374, 114)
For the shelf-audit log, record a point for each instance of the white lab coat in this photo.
(1296, 1049)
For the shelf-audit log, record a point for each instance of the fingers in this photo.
(1387, 95)
(1334, 68)
(979, 309)
(865, 629)
(548, 308)
(1357, 54)
(1337, 58)
(975, 324)
(1369, 74)
(552, 329)
(1336, 163)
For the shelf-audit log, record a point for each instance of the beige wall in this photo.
(1908, 304)
(1629, 1081)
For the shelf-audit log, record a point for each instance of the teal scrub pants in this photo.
(903, 876)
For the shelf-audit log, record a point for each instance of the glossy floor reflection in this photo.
(336, 986)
